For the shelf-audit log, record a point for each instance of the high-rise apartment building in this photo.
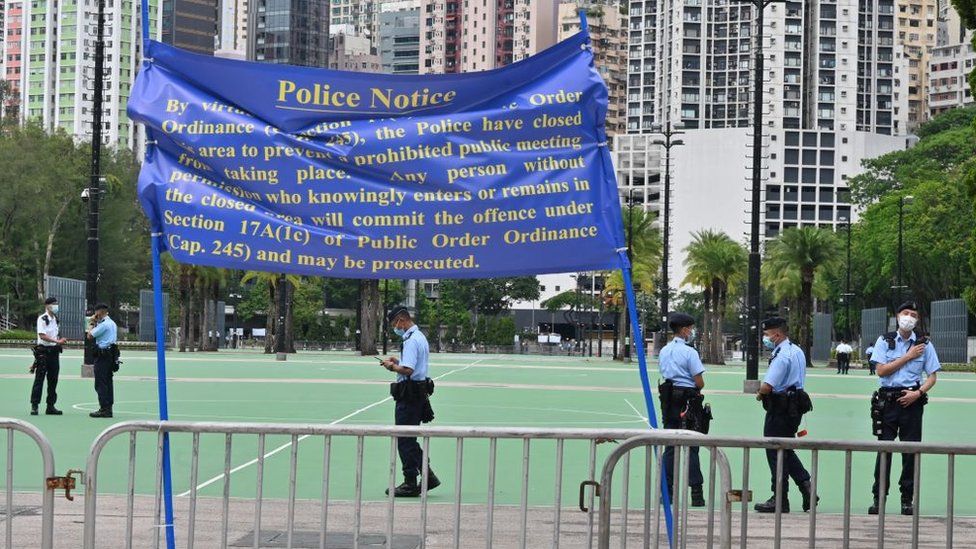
(11, 54)
(476, 35)
(917, 31)
(358, 15)
(950, 64)
(58, 65)
(190, 25)
(349, 52)
(835, 91)
(232, 27)
(399, 36)
(294, 32)
(608, 31)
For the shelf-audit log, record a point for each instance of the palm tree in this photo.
(645, 250)
(271, 324)
(717, 264)
(794, 261)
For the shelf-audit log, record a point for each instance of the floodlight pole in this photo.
(94, 191)
(281, 352)
(751, 384)
(667, 143)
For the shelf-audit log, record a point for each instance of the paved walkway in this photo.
(111, 526)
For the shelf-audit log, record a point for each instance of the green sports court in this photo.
(472, 390)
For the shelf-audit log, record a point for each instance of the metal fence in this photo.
(535, 477)
(71, 298)
(874, 322)
(949, 330)
(813, 520)
(823, 331)
(47, 483)
(147, 317)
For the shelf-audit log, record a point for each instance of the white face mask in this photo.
(907, 322)
(55, 309)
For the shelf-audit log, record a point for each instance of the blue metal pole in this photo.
(161, 384)
(638, 346)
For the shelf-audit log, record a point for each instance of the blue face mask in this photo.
(399, 331)
(768, 343)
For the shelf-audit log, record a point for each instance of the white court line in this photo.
(303, 437)
(636, 411)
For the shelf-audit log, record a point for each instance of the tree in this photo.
(43, 220)
(967, 12)
(271, 282)
(794, 259)
(715, 263)
(369, 315)
(939, 225)
(645, 244)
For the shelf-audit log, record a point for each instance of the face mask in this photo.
(907, 323)
(399, 331)
(692, 335)
(768, 343)
(55, 309)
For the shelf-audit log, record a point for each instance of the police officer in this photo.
(844, 352)
(902, 357)
(411, 393)
(47, 363)
(785, 402)
(681, 397)
(104, 332)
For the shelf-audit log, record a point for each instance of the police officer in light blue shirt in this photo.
(785, 402)
(105, 334)
(680, 395)
(906, 364)
(411, 394)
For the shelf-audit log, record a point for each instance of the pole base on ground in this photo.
(281, 357)
(751, 386)
(87, 370)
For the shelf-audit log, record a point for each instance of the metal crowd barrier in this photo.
(536, 524)
(715, 444)
(48, 482)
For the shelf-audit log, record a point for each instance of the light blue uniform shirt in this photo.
(910, 374)
(105, 333)
(416, 354)
(788, 367)
(680, 363)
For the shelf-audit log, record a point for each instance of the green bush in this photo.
(18, 334)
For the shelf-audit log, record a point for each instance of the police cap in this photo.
(50, 301)
(397, 311)
(773, 323)
(907, 306)
(680, 320)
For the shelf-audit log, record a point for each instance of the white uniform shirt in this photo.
(844, 348)
(49, 328)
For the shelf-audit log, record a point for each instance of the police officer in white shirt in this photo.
(48, 364)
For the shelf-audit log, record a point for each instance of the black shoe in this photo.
(33, 410)
(406, 490)
(101, 413)
(697, 496)
(432, 481)
(873, 509)
(52, 411)
(805, 490)
(769, 506)
(907, 508)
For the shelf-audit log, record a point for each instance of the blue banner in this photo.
(311, 171)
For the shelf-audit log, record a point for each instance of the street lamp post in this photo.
(281, 352)
(847, 291)
(751, 384)
(899, 287)
(630, 258)
(668, 142)
(386, 304)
